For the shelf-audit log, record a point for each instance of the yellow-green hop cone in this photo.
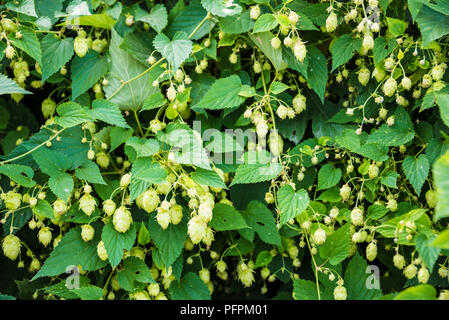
(101, 251)
(340, 293)
(87, 232)
(88, 204)
(48, 107)
(122, 219)
(431, 198)
(371, 251)
(45, 236)
(11, 246)
(13, 200)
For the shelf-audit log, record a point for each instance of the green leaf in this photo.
(263, 42)
(261, 220)
(278, 87)
(356, 280)
(87, 71)
(61, 184)
(98, 20)
(224, 93)
(119, 136)
(389, 229)
(44, 210)
(72, 250)
(328, 176)
(265, 22)
(60, 289)
(144, 236)
(221, 8)
(441, 181)
(394, 136)
(337, 246)
(143, 147)
(28, 43)
(426, 250)
(108, 112)
(144, 173)
(170, 241)
(138, 270)
(191, 287)
(90, 172)
(188, 20)
(25, 6)
(124, 67)
(17, 220)
(416, 171)
(157, 18)
(317, 73)
(442, 241)
(383, 48)
(433, 24)
(304, 290)
(376, 211)
(89, 292)
(115, 242)
(420, 292)
(389, 179)
(8, 85)
(208, 178)
(396, 26)
(175, 51)
(72, 114)
(291, 203)
(70, 146)
(263, 259)
(414, 6)
(154, 101)
(442, 100)
(22, 175)
(226, 218)
(253, 173)
(188, 145)
(56, 53)
(343, 50)
(236, 24)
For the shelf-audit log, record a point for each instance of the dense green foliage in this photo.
(208, 149)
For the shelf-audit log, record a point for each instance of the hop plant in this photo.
(340, 293)
(109, 207)
(331, 22)
(87, 232)
(300, 51)
(389, 87)
(11, 246)
(101, 251)
(254, 12)
(81, 46)
(245, 274)
(319, 236)
(357, 217)
(45, 236)
(276, 143)
(122, 219)
(299, 103)
(88, 204)
(371, 251)
(13, 200)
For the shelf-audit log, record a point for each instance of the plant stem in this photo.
(34, 149)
